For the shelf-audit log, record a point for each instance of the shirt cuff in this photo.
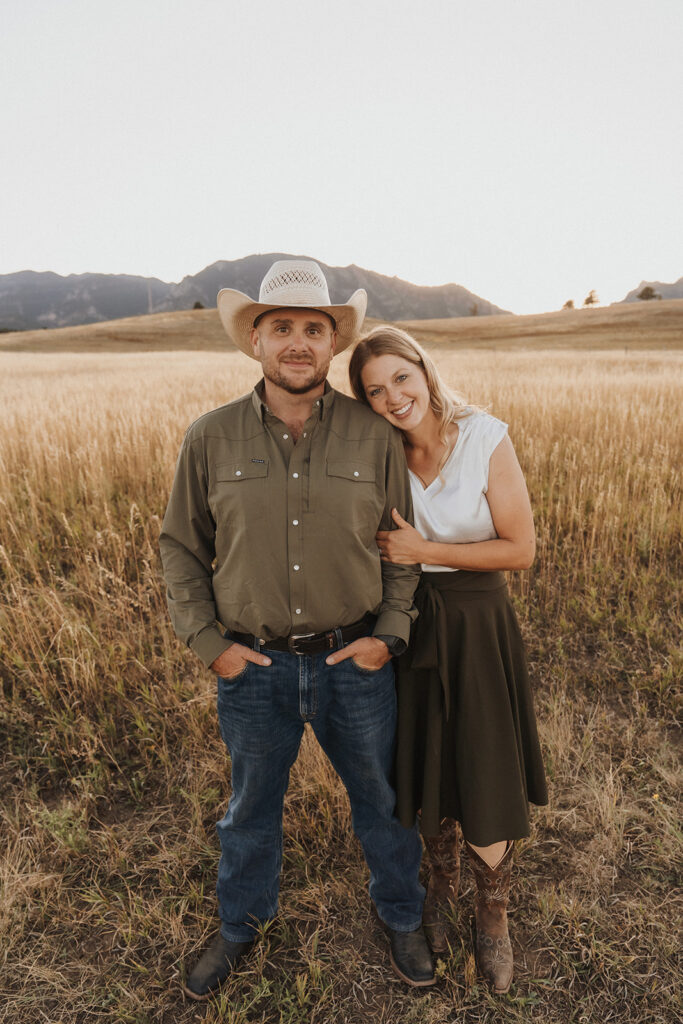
(209, 644)
(394, 643)
(393, 623)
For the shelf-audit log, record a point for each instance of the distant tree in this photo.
(474, 309)
(591, 299)
(569, 304)
(647, 293)
(198, 305)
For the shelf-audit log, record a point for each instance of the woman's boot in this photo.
(443, 855)
(494, 952)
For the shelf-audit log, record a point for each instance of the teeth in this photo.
(400, 412)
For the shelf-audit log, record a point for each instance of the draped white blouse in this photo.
(454, 509)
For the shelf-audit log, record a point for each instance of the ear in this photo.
(334, 342)
(254, 338)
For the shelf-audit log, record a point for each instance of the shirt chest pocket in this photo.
(239, 491)
(352, 488)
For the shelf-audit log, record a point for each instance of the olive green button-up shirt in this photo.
(273, 538)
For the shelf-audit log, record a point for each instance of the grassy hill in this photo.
(647, 325)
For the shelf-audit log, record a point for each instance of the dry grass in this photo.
(113, 772)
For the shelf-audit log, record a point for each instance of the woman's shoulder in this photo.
(481, 430)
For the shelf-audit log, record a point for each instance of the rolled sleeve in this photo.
(397, 611)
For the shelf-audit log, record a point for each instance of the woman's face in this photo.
(396, 389)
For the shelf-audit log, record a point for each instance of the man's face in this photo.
(294, 347)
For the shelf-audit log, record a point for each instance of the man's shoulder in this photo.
(229, 420)
(350, 414)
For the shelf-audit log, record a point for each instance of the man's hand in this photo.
(404, 546)
(230, 663)
(368, 652)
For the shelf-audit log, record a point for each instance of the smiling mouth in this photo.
(403, 411)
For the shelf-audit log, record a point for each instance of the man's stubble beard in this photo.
(272, 373)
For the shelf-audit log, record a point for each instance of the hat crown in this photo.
(294, 283)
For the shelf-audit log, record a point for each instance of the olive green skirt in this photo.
(467, 744)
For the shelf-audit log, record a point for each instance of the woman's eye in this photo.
(401, 377)
(374, 392)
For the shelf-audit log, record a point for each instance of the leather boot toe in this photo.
(410, 957)
(216, 964)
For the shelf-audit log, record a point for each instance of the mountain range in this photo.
(30, 300)
(664, 290)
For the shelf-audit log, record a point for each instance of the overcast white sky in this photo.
(529, 150)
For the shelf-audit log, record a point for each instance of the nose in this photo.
(298, 338)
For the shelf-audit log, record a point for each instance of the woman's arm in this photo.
(513, 548)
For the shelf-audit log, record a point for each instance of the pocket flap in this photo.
(352, 469)
(241, 469)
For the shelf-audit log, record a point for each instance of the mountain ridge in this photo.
(36, 299)
(666, 290)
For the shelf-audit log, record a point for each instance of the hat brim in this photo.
(238, 312)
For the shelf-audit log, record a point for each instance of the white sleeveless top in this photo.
(454, 509)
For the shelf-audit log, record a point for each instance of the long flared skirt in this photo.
(467, 744)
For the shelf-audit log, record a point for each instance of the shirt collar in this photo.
(323, 404)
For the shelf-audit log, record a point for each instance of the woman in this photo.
(467, 748)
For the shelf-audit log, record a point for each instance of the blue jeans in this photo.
(353, 715)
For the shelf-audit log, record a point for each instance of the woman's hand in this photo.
(403, 546)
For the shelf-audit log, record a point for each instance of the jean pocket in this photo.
(366, 671)
(234, 679)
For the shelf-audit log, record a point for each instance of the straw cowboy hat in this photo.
(290, 284)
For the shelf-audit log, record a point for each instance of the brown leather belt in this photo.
(310, 643)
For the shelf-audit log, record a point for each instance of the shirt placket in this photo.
(297, 461)
(297, 485)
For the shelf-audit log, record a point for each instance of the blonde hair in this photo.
(448, 406)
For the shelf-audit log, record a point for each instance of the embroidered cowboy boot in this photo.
(494, 952)
(443, 854)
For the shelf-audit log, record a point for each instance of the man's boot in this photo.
(218, 961)
(494, 952)
(443, 854)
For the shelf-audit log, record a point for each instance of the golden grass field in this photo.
(112, 769)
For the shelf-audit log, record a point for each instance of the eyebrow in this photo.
(393, 377)
(287, 322)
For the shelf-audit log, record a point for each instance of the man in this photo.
(274, 580)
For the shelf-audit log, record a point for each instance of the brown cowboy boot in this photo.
(494, 952)
(443, 854)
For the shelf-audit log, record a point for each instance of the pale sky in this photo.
(529, 150)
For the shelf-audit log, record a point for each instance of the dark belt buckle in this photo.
(293, 641)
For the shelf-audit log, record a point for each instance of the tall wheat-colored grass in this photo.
(112, 769)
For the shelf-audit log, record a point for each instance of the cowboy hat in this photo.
(290, 284)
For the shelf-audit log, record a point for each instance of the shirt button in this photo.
(356, 473)
(296, 568)
(238, 472)
(298, 611)
(295, 475)
(295, 522)
(285, 436)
